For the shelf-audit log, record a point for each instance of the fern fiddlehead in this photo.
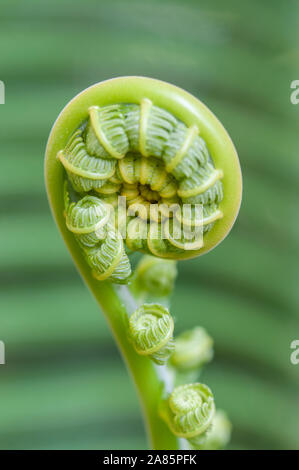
(219, 435)
(159, 164)
(151, 331)
(189, 412)
(154, 277)
(161, 149)
(193, 348)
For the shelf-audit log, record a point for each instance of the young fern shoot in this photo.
(136, 165)
(189, 412)
(151, 331)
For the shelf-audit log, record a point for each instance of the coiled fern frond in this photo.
(193, 348)
(151, 332)
(102, 245)
(154, 277)
(148, 156)
(219, 435)
(146, 168)
(189, 412)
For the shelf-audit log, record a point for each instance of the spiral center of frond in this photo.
(190, 411)
(151, 331)
(186, 401)
(159, 165)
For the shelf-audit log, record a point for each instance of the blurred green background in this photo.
(64, 385)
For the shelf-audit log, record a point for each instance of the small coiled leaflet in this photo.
(193, 348)
(189, 412)
(154, 277)
(151, 332)
(219, 435)
(144, 153)
(88, 220)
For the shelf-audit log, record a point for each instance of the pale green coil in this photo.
(151, 332)
(193, 348)
(189, 412)
(88, 220)
(145, 154)
(154, 276)
(220, 433)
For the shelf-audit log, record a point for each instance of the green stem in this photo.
(191, 112)
(116, 310)
(149, 386)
